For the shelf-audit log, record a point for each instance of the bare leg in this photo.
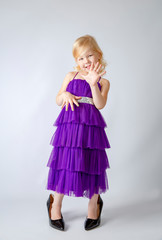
(56, 206)
(93, 207)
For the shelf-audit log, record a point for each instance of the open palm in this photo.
(93, 75)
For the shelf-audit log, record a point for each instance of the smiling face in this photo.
(86, 59)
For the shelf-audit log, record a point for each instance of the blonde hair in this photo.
(84, 42)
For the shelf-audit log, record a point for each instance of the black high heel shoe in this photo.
(93, 223)
(58, 223)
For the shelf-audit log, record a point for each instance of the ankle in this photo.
(57, 205)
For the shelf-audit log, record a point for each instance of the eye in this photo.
(81, 59)
(90, 55)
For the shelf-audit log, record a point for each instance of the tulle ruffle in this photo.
(80, 135)
(77, 184)
(78, 161)
(85, 113)
(89, 161)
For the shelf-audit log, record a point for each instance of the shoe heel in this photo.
(93, 223)
(58, 223)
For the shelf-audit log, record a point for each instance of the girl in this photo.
(78, 161)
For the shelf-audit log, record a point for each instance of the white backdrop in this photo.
(36, 53)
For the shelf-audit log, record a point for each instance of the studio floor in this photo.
(27, 219)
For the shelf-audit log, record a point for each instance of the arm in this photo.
(59, 97)
(100, 97)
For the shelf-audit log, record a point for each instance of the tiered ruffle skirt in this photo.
(78, 161)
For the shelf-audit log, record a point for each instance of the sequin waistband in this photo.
(86, 100)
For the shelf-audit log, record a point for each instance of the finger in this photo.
(98, 69)
(77, 97)
(63, 105)
(101, 74)
(67, 104)
(71, 104)
(96, 66)
(76, 102)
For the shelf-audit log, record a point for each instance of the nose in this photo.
(86, 60)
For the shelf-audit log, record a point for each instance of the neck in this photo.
(83, 72)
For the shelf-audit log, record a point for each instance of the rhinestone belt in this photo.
(86, 100)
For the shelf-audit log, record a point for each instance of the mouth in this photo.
(88, 67)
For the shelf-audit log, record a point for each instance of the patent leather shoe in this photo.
(93, 223)
(58, 223)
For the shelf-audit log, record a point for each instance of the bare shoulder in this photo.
(69, 76)
(105, 83)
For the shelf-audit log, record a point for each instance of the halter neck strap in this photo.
(75, 75)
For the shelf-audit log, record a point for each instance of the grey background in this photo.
(35, 55)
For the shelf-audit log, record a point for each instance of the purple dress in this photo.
(78, 161)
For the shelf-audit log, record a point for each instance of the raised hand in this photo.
(69, 98)
(93, 75)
